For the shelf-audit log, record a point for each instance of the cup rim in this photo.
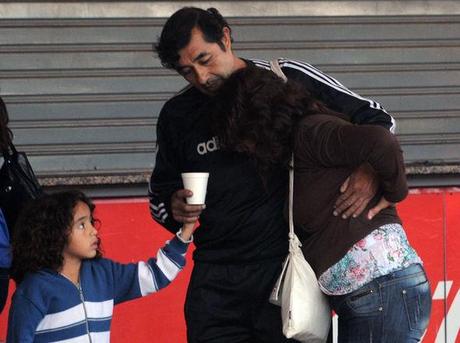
(193, 174)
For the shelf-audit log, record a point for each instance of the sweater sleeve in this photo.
(165, 178)
(333, 142)
(336, 96)
(23, 320)
(136, 280)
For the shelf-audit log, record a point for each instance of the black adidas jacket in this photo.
(243, 220)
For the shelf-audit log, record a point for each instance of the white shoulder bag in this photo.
(305, 310)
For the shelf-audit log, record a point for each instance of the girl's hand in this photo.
(187, 231)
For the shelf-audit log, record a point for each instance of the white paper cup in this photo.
(197, 183)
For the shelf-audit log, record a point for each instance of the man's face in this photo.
(205, 65)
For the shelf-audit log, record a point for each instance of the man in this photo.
(242, 238)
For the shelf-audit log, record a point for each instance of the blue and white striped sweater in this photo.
(47, 307)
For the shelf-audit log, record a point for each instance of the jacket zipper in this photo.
(82, 298)
(84, 309)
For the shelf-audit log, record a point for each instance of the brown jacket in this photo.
(328, 149)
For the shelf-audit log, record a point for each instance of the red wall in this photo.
(431, 218)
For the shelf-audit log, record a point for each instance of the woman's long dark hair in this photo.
(5, 133)
(42, 232)
(257, 113)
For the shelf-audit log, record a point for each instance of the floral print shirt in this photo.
(383, 251)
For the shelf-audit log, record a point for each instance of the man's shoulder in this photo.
(283, 63)
(300, 70)
(258, 63)
(294, 64)
(182, 102)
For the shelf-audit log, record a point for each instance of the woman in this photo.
(18, 185)
(5, 256)
(374, 279)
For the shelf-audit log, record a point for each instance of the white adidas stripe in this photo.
(324, 78)
(157, 207)
(315, 70)
(159, 213)
(340, 89)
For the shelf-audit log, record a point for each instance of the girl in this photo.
(66, 290)
(373, 277)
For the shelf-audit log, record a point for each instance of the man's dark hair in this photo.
(42, 232)
(5, 133)
(178, 28)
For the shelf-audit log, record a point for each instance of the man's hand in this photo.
(181, 211)
(357, 190)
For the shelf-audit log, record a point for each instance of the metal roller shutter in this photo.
(84, 88)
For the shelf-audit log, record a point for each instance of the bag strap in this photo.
(275, 67)
(6, 152)
(291, 197)
(13, 149)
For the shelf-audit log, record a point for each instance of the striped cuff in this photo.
(179, 236)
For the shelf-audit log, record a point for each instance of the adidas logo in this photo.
(209, 146)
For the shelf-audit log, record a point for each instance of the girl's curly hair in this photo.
(42, 232)
(257, 113)
(5, 133)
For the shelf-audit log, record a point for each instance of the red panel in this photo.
(452, 203)
(422, 216)
(129, 234)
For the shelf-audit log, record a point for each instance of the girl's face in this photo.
(83, 241)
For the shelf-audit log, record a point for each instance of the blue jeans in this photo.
(392, 308)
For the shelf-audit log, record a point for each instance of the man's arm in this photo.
(336, 96)
(165, 179)
(362, 185)
(168, 204)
